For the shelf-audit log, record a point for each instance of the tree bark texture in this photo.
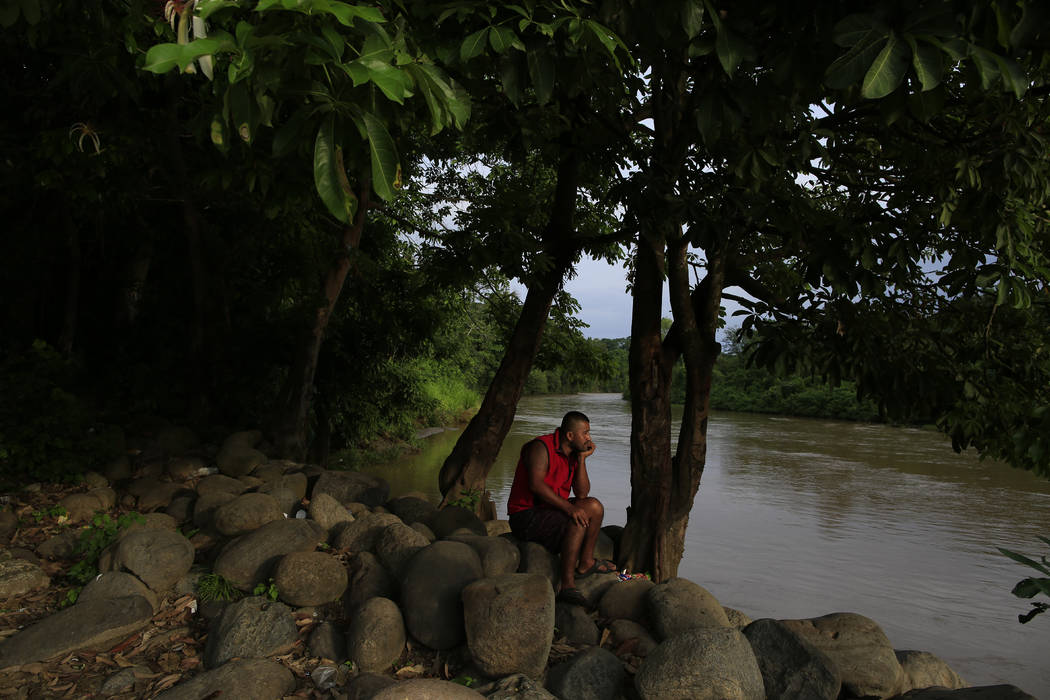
(470, 461)
(293, 411)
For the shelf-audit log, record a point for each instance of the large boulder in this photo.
(18, 577)
(238, 460)
(573, 623)
(159, 495)
(704, 663)
(678, 604)
(537, 559)
(498, 554)
(376, 636)
(352, 487)
(792, 668)
(367, 579)
(309, 578)
(296, 482)
(90, 625)
(116, 584)
(859, 650)
(395, 545)
(80, 507)
(626, 600)
(451, 518)
(328, 513)
(246, 512)
(207, 503)
(158, 557)
(923, 670)
(361, 534)
(411, 509)
(427, 689)
(629, 635)
(240, 678)
(249, 559)
(251, 627)
(510, 623)
(220, 483)
(592, 674)
(430, 592)
(328, 641)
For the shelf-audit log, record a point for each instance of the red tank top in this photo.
(559, 475)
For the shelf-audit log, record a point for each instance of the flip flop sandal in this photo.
(600, 566)
(572, 596)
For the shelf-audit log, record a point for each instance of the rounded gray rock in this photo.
(245, 513)
(207, 503)
(327, 641)
(427, 689)
(396, 544)
(116, 584)
(411, 509)
(510, 624)
(249, 559)
(367, 579)
(859, 649)
(592, 674)
(376, 636)
(705, 663)
(159, 558)
(309, 578)
(498, 554)
(251, 627)
(678, 604)
(792, 668)
(220, 483)
(238, 460)
(628, 633)
(240, 678)
(328, 512)
(451, 518)
(430, 593)
(361, 534)
(573, 623)
(352, 487)
(626, 600)
(923, 670)
(18, 577)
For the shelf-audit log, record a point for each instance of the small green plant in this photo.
(1030, 587)
(102, 532)
(53, 512)
(267, 590)
(211, 587)
(469, 499)
(466, 680)
(71, 597)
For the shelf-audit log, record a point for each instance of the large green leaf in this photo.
(928, 62)
(853, 29)
(395, 83)
(692, 17)
(731, 49)
(888, 69)
(329, 175)
(347, 14)
(438, 93)
(1013, 78)
(849, 69)
(473, 45)
(386, 171)
(501, 39)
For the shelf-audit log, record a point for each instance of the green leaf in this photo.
(928, 63)
(436, 92)
(510, 78)
(347, 14)
(731, 49)
(241, 111)
(386, 171)
(887, 71)
(395, 83)
(853, 29)
(987, 68)
(849, 69)
(329, 176)
(357, 71)
(1030, 587)
(541, 73)
(501, 39)
(692, 18)
(1012, 76)
(473, 45)
(607, 38)
(162, 57)
(206, 8)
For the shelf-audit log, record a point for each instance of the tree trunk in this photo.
(643, 541)
(469, 463)
(293, 410)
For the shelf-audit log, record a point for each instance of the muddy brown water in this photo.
(797, 518)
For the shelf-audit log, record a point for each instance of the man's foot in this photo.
(572, 596)
(600, 566)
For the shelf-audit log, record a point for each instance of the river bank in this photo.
(312, 589)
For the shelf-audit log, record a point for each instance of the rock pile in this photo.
(395, 588)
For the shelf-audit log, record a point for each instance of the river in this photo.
(797, 518)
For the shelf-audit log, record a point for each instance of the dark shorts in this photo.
(543, 525)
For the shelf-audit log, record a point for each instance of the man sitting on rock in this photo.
(541, 510)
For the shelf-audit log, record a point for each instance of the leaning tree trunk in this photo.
(469, 463)
(290, 425)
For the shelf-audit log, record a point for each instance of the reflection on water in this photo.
(798, 518)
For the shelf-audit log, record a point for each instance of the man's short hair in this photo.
(571, 420)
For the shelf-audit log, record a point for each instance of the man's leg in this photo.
(577, 545)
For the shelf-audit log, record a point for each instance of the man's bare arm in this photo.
(581, 482)
(538, 465)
